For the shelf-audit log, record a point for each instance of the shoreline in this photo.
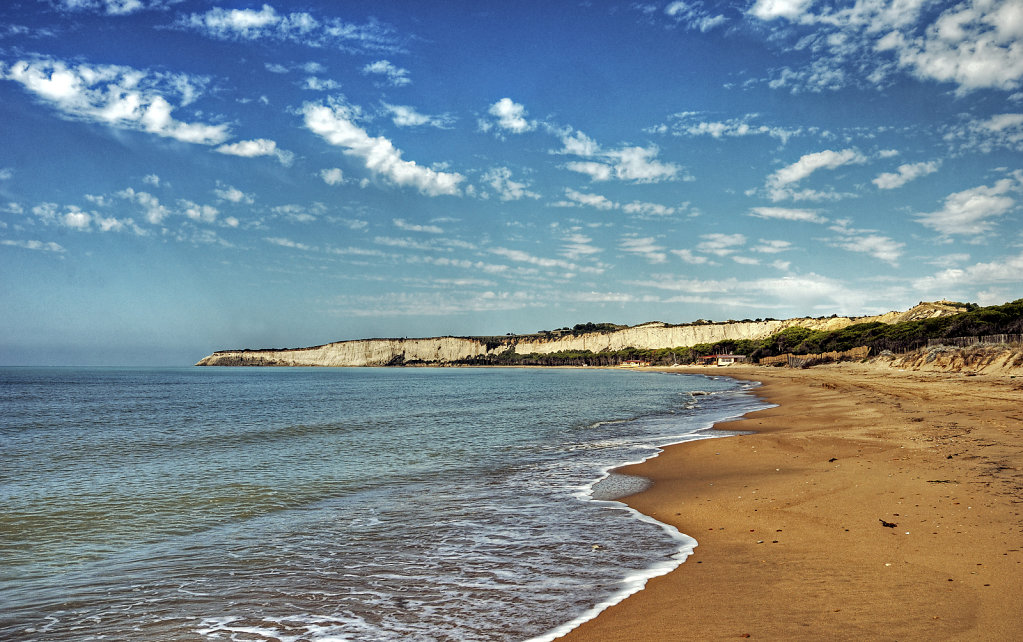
(791, 518)
(638, 580)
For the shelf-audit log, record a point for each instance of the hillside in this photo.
(647, 336)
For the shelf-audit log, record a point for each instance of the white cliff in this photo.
(443, 350)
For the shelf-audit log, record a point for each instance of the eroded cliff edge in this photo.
(443, 350)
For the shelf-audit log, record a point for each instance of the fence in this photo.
(798, 361)
(965, 342)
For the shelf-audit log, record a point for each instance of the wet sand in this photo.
(870, 504)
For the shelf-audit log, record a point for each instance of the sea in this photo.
(359, 504)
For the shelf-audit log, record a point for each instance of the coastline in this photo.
(791, 519)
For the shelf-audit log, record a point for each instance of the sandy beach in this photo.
(869, 504)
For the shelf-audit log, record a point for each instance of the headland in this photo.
(588, 339)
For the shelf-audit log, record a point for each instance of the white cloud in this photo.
(500, 180)
(628, 163)
(332, 176)
(877, 246)
(154, 211)
(197, 212)
(778, 184)
(905, 173)
(772, 246)
(286, 242)
(809, 163)
(973, 212)
(638, 164)
(475, 266)
(721, 244)
(511, 116)
(402, 224)
(151, 179)
(577, 143)
(315, 83)
(43, 246)
(868, 242)
(404, 116)
(118, 96)
(407, 243)
(819, 76)
(772, 9)
(111, 7)
(579, 246)
(690, 124)
(337, 126)
(801, 292)
(576, 199)
(257, 147)
(969, 279)
(788, 214)
(396, 76)
(596, 171)
(972, 44)
(694, 16)
(646, 247)
(648, 210)
(76, 219)
(300, 213)
(233, 194)
(1000, 131)
(298, 27)
(524, 257)
(689, 257)
(242, 23)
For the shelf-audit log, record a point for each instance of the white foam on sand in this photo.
(610, 483)
(633, 583)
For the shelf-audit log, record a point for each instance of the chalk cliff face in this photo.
(441, 350)
(367, 352)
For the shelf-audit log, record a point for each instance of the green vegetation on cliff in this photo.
(897, 337)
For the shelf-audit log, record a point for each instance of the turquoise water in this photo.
(340, 504)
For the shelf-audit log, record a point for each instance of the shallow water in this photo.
(347, 504)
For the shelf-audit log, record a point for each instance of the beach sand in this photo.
(792, 521)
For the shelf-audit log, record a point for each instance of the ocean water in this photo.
(331, 504)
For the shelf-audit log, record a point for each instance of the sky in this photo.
(180, 177)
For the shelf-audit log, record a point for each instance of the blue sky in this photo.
(178, 177)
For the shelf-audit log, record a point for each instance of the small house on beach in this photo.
(721, 359)
(635, 363)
